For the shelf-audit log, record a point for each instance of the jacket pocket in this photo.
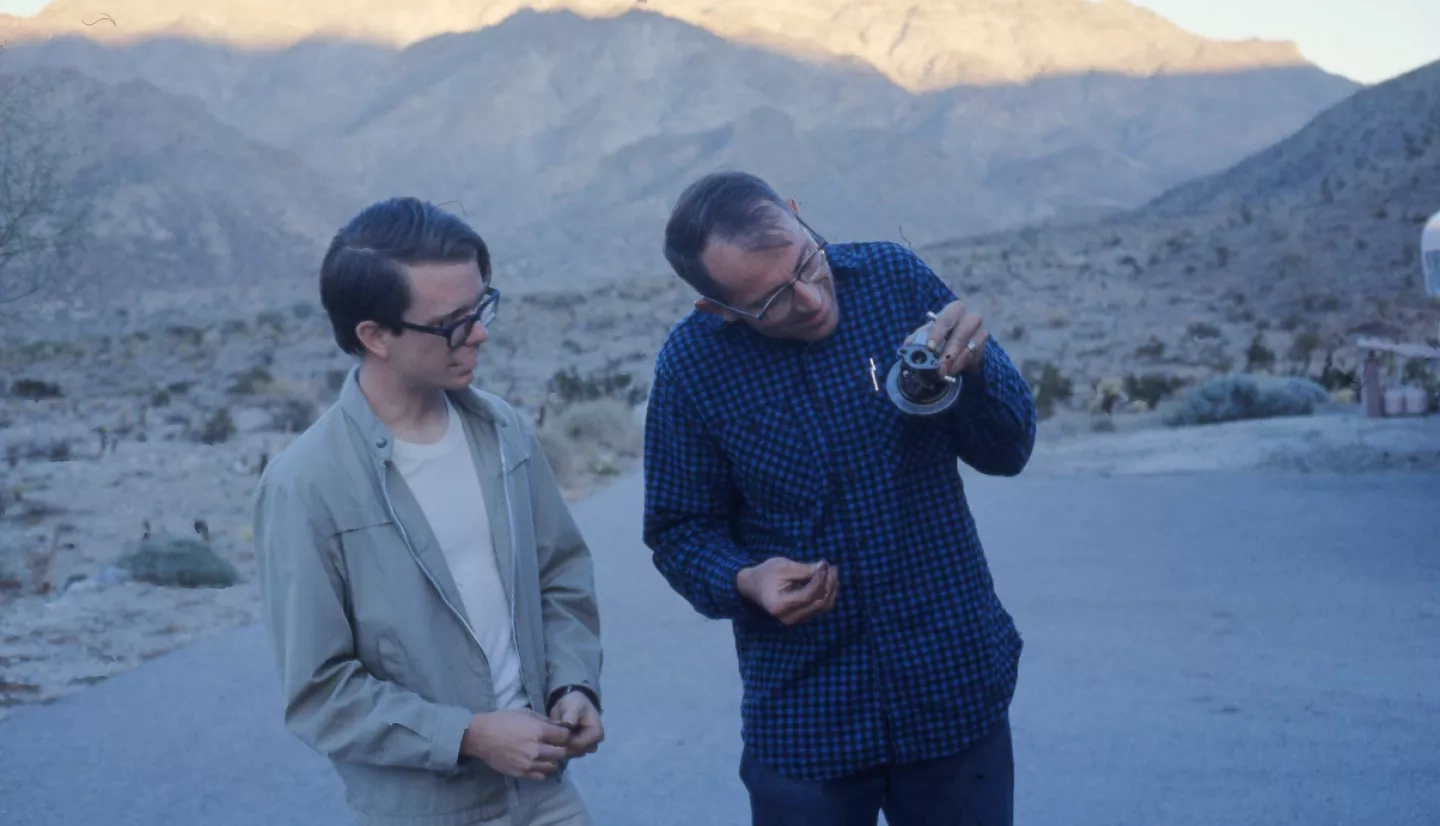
(390, 656)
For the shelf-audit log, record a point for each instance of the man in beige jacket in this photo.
(430, 600)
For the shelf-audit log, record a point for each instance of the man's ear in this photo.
(794, 207)
(374, 338)
(705, 305)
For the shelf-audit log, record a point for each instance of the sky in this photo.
(1365, 40)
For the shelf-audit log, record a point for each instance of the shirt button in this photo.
(382, 443)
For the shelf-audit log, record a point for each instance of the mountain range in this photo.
(919, 46)
(1280, 261)
(566, 135)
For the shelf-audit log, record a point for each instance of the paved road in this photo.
(1200, 649)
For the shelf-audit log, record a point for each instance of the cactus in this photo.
(180, 562)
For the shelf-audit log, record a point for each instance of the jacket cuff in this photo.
(560, 691)
(450, 723)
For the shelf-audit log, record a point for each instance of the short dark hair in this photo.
(362, 277)
(736, 207)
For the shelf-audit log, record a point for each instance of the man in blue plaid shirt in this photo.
(787, 493)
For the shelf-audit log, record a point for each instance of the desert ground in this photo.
(122, 439)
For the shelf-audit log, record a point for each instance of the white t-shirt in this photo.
(443, 478)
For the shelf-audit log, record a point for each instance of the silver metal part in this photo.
(915, 383)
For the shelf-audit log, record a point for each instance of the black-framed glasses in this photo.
(457, 332)
(782, 301)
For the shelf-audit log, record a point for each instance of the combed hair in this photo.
(735, 207)
(362, 277)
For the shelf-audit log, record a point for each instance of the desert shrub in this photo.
(1153, 349)
(273, 319)
(54, 450)
(1258, 356)
(1109, 393)
(568, 387)
(193, 336)
(35, 389)
(1248, 396)
(9, 570)
(1302, 349)
(1048, 386)
(251, 381)
(1199, 329)
(179, 562)
(293, 415)
(1151, 388)
(606, 423)
(560, 453)
(593, 437)
(218, 428)
(588, 426)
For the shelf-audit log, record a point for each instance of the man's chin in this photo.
(459, 377)
(821, 328)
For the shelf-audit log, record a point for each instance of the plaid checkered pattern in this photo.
(758, 447)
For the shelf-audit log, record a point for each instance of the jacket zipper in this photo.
(514, 551)
(405, 535)
(514, 556)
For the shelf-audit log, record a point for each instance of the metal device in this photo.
(915, 383)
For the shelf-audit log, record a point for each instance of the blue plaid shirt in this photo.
(758, 447)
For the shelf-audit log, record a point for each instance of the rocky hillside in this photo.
(1277, 263)
(566, 138)
(1382, 142)
(175, 200)
(921, 47)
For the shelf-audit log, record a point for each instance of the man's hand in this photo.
(952, 329)
(516, 742)
(575, 712)
(790, 591)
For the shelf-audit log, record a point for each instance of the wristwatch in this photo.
(567, 689)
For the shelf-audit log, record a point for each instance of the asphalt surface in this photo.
(1200, 649)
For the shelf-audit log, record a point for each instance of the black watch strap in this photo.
(567, 689)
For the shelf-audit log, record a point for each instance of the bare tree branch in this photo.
(42, 223)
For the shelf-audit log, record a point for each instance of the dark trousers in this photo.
(976, 788)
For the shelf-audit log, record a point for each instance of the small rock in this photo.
(111, 575)
(80, 585)
(252, 420)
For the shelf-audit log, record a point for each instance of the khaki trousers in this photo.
(544, 803)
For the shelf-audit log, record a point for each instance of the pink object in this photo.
(1372, 394)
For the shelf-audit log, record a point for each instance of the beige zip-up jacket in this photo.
(379, 668)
